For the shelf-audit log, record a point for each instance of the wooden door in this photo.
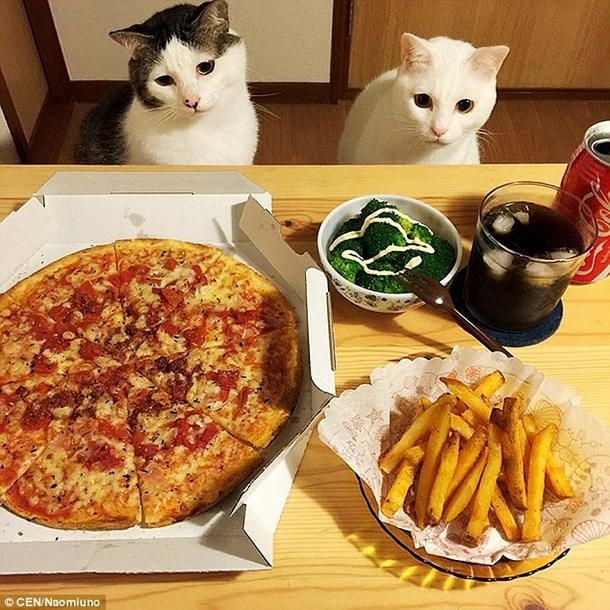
(23, 85)
(555, 44)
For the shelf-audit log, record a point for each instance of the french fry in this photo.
(541, 447)
(482, 499)
(513, 448)
(414, 433)
(429, 468)
(463, 494)
(460, 426)
(505, 516)
(444, 476)
(403, 481)
(489, 384)
(425, 403)
(556, 479)
(466, 454)
(472, 400)
(469, 416)
(467, 458)
(468, 511)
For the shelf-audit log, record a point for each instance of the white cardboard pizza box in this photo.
(74, 210)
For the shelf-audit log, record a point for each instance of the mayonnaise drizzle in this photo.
(412, 244)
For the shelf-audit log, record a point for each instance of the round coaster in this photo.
(521, 338)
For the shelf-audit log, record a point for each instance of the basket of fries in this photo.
(477, 456)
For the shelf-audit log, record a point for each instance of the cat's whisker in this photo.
(157, 117)
(263, 110)
(409, 130)
(487, 139)
(485, 134)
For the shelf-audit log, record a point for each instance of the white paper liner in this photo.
(361, 424)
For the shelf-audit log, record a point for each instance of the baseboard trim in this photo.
(90, 92)
(532, 94)
(554, 94)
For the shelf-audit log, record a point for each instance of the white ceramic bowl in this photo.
(370, 299)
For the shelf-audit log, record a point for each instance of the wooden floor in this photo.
(521, 130)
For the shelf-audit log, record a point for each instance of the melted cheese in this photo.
(64, 490)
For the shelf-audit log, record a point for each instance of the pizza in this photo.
(140, 382)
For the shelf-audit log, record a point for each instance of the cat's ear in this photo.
(487, 61)
(131, 40)
(414, 52)
(213, 15)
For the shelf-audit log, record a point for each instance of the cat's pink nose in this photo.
(192, 103)
(439, 131)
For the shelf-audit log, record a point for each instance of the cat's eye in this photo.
(165, 81)
(422, 100)
(464, 106)
(205, 67)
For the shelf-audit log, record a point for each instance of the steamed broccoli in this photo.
(374, 205)
(351, 224)
(380, 283)
(346, 267)
(378, 236)
(439, 264)
(389, 211)
(420, 232)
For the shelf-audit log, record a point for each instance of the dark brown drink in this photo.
(523, 257)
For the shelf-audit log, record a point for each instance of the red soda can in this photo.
(588, 177)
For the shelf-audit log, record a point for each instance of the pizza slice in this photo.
(81, 292)
(26, 414)
(229, 304)
(185, 461)
(32, 343)
(85, 478)
(155, 275)
(230, 285)
(249, 389)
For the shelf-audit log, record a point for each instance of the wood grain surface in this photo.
(552, 46)
(329, 551)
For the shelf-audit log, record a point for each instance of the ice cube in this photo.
(561, 253)
(540, 270)
(502, 224)
(523, 216)
(498, 261)
(520, 211)
(543, 275)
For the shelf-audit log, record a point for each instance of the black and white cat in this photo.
(427, 111)
(187, 101)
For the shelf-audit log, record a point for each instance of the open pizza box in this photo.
(74, 210)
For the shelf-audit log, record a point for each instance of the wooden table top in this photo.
(329, 552)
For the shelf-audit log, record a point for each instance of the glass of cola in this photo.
(529, 241)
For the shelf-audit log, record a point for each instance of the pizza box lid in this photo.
(74, 210)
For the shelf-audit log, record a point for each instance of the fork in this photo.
(432, 292)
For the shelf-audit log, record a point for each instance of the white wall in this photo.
(287, 40)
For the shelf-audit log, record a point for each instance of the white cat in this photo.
(429, 109)
(187, 101)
